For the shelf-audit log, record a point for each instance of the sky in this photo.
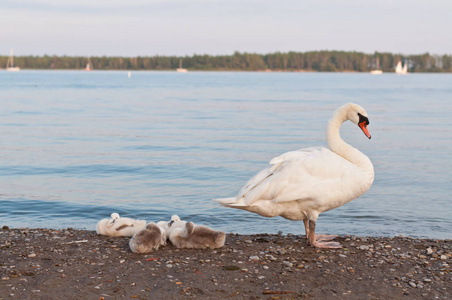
(221, 27)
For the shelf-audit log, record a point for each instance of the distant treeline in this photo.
(323, 61)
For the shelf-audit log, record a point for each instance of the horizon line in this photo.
(235, 52)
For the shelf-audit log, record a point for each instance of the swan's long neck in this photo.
(338, 146)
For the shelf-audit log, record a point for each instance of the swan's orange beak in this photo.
(363, 126)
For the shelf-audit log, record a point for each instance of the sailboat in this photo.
(377, 71)
(89, 65)
(10, 64)
(180, 69)
(401, 70)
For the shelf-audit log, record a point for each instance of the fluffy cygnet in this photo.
(148, 239)
(117, 226)
(174, 223)
(197, 237)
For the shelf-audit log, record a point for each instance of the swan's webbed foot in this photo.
(312, 238)
(328, 245)
(325, 237)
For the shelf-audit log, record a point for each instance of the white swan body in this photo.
(197, 237)
(148, 239)
(299, 185)
(117, 226)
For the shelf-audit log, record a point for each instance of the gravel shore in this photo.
(79, 264)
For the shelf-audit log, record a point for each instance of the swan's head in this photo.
(113, 218)
(358, 115)
(174, 218)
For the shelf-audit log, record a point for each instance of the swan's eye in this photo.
(363, 119)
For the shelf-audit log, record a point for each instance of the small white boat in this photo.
(10, 64)
(401, 70)
(377, 71)
(180, 69)
(89, 65)
(405, 68)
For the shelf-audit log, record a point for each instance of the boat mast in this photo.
(12, 57)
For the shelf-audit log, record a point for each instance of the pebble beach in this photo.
(54, 264)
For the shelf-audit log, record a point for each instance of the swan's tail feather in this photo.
(237, 205)
(231, 202)
(226, 201)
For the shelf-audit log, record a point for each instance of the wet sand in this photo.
(79, 264)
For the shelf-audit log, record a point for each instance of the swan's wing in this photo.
(299, 175)
(122, 223)
(260, 177)
(254, 182)
(298, 154)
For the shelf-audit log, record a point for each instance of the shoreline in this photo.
(51, 264)
(222, 71)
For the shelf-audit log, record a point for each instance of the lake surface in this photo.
(77, 146)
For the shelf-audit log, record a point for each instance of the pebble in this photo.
(248, 241)
(443, 257)
(363, 247)
(271, 257)
(412, 284)
(287, 263)
(427, 280)
(429, 251)
(254, 258)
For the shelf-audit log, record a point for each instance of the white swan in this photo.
(148, 239)
(299, 185)
(197, 237)
(117, 226)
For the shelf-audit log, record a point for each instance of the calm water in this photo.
(77, 146)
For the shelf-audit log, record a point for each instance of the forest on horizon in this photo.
(320, 61)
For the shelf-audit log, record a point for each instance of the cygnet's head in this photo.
(113, 218)
(174, 218)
